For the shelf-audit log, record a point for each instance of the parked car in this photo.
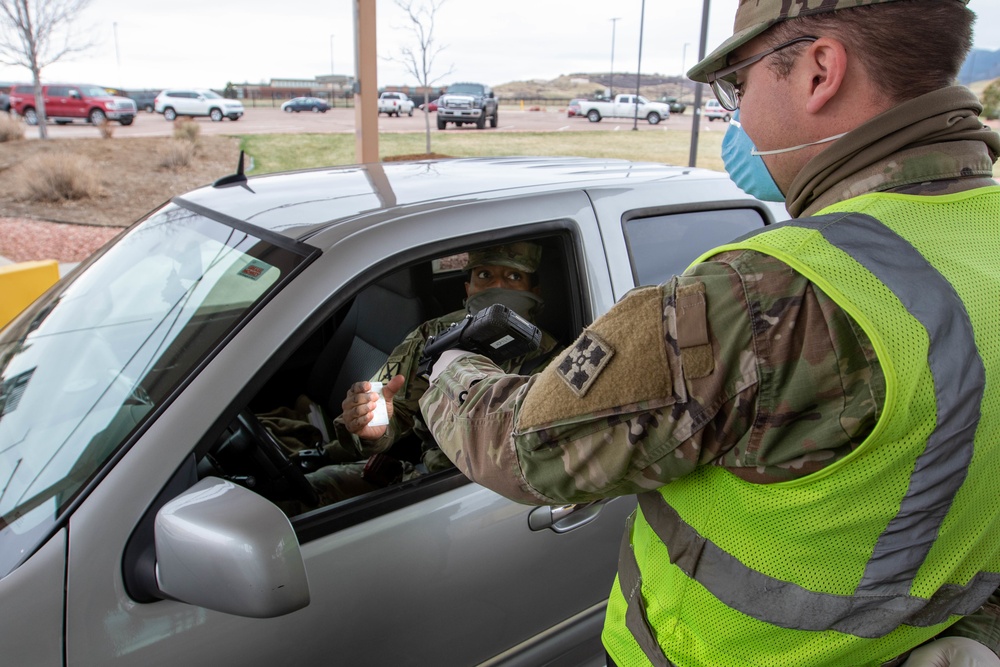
(472, 103)
(713, 111)
(139, 519)
(625, 106)
(393, 103)
(144, 99)
(676, 106)
(65, 103)
(196, 102)
(574, 108)
(313, 104)
(431, 106)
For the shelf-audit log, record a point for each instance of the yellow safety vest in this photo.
(882, 550)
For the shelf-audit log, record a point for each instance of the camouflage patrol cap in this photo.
(521, 255)
(753, 17)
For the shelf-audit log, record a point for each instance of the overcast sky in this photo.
(206, 43)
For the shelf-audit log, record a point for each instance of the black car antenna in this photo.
(238, 178)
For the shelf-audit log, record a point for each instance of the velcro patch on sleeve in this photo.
(692, 331)
(584, 361)
(621, 358)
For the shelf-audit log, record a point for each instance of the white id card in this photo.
(380, 417)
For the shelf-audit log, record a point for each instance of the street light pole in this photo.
(118, 58)
(684, 54)
(638, 69)
(611, 85)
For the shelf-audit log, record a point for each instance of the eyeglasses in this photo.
(723, 81)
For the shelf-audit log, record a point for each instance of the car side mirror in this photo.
(74, 94)
(225, 548)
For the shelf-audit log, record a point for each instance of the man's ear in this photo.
(826, 63)
(467, 290)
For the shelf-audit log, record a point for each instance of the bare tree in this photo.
(419, 60)
(36, 33)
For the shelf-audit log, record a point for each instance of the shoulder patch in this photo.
(616, 363)
(584, 361)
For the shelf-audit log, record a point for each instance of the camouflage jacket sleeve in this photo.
(740, 363)
(404, 360)
(406, 419)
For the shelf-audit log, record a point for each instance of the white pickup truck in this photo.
(624, 106)
(395, 104)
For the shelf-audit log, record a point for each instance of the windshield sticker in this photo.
(254, 270)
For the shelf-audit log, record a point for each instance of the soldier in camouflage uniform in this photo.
(498, 274)
(743, 364)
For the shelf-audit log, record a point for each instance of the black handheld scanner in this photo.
(496, 332)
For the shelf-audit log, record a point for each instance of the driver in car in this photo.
(365, 454)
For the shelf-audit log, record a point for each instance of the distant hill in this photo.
(980, 68)
(981, 65)
(592, 84)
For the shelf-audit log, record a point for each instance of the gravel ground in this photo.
(24, 240)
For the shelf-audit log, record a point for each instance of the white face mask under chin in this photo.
(799, 147)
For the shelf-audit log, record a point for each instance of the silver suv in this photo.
(139, 512)
(195, 102)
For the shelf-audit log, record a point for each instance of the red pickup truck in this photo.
(65, 103)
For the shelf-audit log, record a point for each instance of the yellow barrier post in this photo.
(22, 283)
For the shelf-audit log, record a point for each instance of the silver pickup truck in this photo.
(139, 513)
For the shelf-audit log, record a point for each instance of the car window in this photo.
(57, 91)
(86, 368)
(663, 246)
(209, 95)
(301, 400)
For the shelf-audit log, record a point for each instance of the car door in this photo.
(57, 101)
(185, 103)
(440, 571)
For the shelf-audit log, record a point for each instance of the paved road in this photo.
(275, 121)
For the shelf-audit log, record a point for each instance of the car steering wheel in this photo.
(273, 450)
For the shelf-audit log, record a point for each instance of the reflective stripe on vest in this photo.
(883, 600)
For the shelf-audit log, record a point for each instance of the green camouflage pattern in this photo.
(521, 255)
(753, 17)
(336, 482)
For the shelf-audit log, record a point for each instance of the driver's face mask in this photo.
(524, 303)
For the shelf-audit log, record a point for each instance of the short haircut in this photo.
(910, 48)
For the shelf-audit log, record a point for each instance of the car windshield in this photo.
(211, 95)
(465, 89)
(89, 365)
(94, 91)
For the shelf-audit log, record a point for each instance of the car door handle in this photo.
(564, 518)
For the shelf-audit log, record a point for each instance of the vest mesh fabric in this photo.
(819, 531)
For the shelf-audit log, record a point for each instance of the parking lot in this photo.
(274, 121)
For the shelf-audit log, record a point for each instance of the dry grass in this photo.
(176, 154)
(106, 129)
(11, 128)
(127, 170)
(186, 128)
(56, 178)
